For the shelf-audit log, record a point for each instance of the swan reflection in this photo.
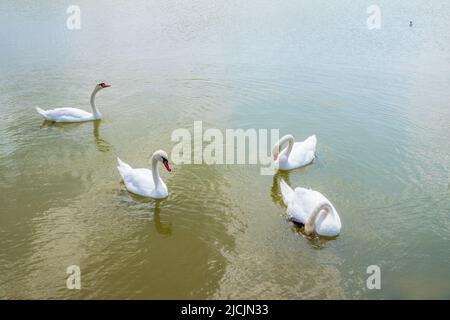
(164, 229)
(101, 145)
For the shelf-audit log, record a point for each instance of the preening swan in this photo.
(145, 182)
(296, 154)
(312, 209)
(73, 114)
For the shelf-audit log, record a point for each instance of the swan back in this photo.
(123, 168)
(286, 192)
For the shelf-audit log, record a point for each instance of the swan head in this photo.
(310, 225)
(161, 156)
(101, 86)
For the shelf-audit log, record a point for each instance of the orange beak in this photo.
(166, 164)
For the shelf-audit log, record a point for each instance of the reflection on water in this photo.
(164, 229)
(275, 191)
(102, 145)
(378, 102)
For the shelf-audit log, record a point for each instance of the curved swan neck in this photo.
(290, 139)
(95, 112)
(311, 222)
(155, 171)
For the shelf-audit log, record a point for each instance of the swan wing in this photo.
(67, 115)
(326, 225)
(139, 181)
(293, 202)
(303, 152)
(310, 143)
(302, 205)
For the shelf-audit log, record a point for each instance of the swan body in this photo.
(143, 181)
(296, 154)
(66, 115)
(74, 114)
(312, 209)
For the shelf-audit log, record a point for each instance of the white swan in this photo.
(296, 154)
(145, 182)
(73, 114)
(312, 209)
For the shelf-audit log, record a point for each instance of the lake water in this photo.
(378, 101)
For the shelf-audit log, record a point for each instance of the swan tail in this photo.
(311, 142)
(286, 192)
(123, 168)
(41, 112)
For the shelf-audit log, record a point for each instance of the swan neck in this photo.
(310, 224)
(155, 171)
(95, 112)
(290, 139)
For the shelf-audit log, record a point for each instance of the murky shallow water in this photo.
(378, 101)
